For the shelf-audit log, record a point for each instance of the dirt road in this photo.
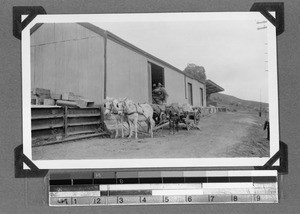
(220, 135)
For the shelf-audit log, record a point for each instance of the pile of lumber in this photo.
(41, 96)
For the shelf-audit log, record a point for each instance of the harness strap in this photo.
(136, 111)
(141, 108)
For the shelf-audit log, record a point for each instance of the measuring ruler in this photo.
(166, 187)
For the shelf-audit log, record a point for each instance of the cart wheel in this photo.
(189, 124)
(188, 127)
(197, 119)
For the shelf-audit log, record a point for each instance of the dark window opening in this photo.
(201, 97)
(190, 93)
(185, 94)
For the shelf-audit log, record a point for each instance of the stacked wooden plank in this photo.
(41, 96)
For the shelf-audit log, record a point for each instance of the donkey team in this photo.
(126, 111)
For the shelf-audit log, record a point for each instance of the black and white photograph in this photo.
(150, 90)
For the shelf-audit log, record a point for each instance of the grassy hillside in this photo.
(236, 104)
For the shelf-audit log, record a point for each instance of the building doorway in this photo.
(190, 93)
(201, 97)
(156, 76)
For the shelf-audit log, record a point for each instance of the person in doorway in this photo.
(153, 87)
(159, 94)
(156, 93)
(164, 94)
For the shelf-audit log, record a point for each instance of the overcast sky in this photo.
(233, 52)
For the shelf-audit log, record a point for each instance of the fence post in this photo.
(101, 122)
(66, 121)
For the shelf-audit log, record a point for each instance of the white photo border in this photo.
(157, 162)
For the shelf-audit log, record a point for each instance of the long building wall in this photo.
(71, 58)
(128, 76)
(68, 58)
(127, 73)
(175, 86)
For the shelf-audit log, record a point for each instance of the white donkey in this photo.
(136, 112)
(111, 108)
